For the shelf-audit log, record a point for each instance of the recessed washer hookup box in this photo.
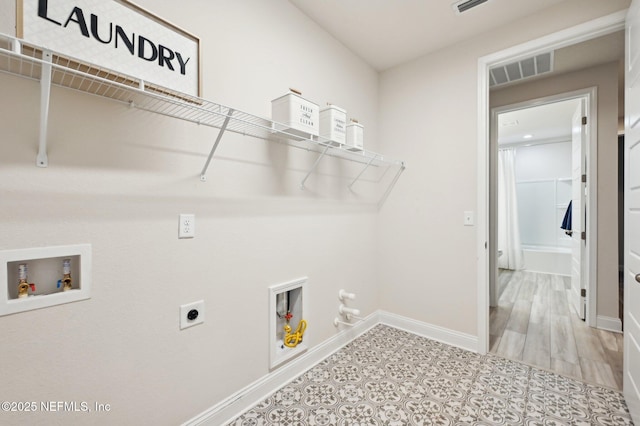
(295, 115)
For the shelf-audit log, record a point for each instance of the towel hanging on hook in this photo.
(566, 222)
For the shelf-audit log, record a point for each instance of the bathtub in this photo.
(548, 260)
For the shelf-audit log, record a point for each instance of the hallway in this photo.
(533, 323)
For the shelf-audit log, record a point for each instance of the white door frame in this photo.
(586, 31)
(590, 96)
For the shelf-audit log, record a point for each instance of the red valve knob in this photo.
(33, 287)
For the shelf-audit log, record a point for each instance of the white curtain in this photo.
(509, 245)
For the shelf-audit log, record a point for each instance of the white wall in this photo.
(427, 257)
(543, 185)
(8, 18)
(541, 162)
(118, 178)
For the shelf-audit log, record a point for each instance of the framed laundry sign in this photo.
(117, 35)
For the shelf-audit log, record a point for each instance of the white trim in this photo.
(245, 398)
(433, 332)
(591, 246)
(609, 324)
(586, 31)
(482, 238)
(239, 402)
(589, 30)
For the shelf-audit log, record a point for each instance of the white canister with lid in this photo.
(333, 124)
(355, 135)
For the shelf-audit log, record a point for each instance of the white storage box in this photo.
(355, 136)
(333, 124)
(297, 115)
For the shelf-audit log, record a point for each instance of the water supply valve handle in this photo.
(344, 310)
(344, 295)
(33, 287)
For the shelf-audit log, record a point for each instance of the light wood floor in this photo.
(533, 323)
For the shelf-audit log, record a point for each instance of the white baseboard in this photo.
(257, 391)
(609, 323)
(434, 332)
(244, 399)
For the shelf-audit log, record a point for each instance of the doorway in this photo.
(537, 162)
(563, 128)
(486, 246)
(538, 297)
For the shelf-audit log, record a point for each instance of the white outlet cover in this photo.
(187, 226)
(185, 322)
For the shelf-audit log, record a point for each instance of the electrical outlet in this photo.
(191, 314)
(187, 226)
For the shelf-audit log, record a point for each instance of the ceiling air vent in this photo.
(463, 6)
(523, 69)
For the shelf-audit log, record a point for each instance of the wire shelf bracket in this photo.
(45, 95)
(203, 174)
(326, 148)
(362, 172)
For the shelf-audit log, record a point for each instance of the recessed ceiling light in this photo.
(527, 136)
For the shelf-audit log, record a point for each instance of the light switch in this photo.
(468, 218)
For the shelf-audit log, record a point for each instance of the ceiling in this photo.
(386, 33)
(549, 122)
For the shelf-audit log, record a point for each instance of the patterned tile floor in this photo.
(391, 377)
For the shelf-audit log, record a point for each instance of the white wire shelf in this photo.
(33, 62)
